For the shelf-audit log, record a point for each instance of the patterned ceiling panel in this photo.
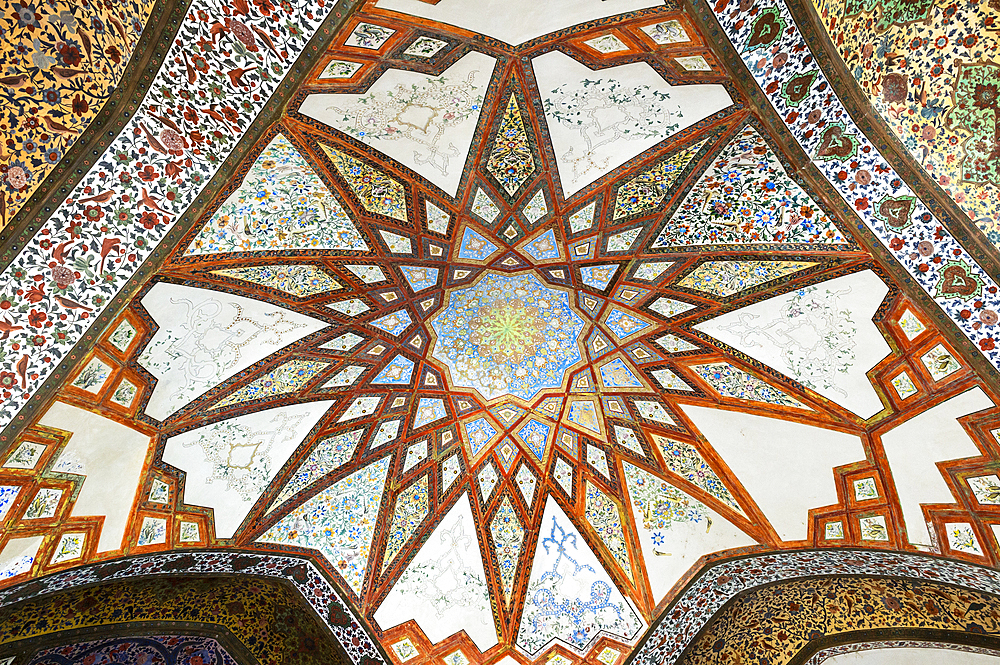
(508, 336)
(930, 71)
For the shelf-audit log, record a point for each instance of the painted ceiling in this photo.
(61, 63)
(929, 70)
(511, 316)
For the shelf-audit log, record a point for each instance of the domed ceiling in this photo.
(512, 318)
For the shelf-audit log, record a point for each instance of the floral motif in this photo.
(123, 335)
(730, 381)
(508, 537)
(928, 99)
(377, 192)
(288, 378)
(25, 456)
(685, 460)
(281, 204)
(44, 504)
(339, 522)
(93, 376)
(986, 489)
(61, 62)
(647, 190)
(296, 280)
(940, 362)
(602, 514)
(507, 335)
(7, 495)
(640, 113)
(725, 278)
(425, 47)
(511, 161)
(152, 532)
(69, 547)
(330, 453)
(570, 596)
(747, 197)
(411, 509)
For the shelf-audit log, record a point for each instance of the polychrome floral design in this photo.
(508, 335)
(61, 62)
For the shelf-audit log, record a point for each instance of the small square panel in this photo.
(370, 36)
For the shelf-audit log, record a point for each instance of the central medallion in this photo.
(507, 335)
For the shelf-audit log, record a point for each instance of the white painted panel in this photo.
(822, 336)
(786, 467)
(913, 448)
(206, 337)
(591, 139)
(565, 573)
(674, 537)
(18, 555)
(515, 21)
(230, 463)
(111, 456)
(444, 587)
(432, 118)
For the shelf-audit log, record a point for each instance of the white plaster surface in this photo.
(600, 118)
(787, 467)
(111, 456)
(821, 336)
(669, 553)
(913, 448)
(205, 337)
(446, 602)
(425, 140)
(230, 463)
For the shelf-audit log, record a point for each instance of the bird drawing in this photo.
(58, 127)
(7, 327)
(150, 202)
(15, 82)
(22, 370)
(65, 73)
(72, 304)
(236, 75)
(62, 250)
(103, 197)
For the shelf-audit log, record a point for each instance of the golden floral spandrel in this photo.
(61, 61)
(922, 76)
(269, 619)
(783, 619)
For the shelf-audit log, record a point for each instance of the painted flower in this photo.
(17, 176)
(172, 139)
(27, 16)
(80, 105)
(985, 96)
(147, 174)
(70, 55)
(149, 219)
(93, 213)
